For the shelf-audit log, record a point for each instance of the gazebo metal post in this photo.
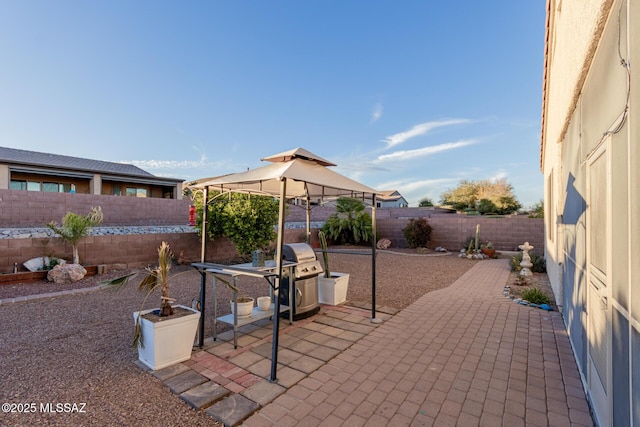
(279, 246)
(373, 259)
(203, 252)
(308, 218)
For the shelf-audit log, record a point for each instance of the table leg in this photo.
(235, 314)
(215, 308)
(203, 291)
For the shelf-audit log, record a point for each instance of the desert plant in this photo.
(417, 232)
(470, 239)
(538, 261)
(535, 296)
(157, 277)
(75, 226)
(487, 245)
(49, 265)
(325, 254)
(350, 223)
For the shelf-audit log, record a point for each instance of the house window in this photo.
(51, 187)
(116, 190)
(17, 185)
(136, 192)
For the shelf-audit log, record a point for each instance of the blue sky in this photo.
(407, 95)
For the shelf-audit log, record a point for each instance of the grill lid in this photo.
(298, 252)
(305, 257)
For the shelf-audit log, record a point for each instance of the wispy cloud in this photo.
(411, 186)
(415, 190)
(500, 174)
(420, 129)
(422, 152)
(377, 112)
(167, 164)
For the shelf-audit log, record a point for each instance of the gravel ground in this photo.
(76, 348)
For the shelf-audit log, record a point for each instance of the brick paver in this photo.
(463, 355)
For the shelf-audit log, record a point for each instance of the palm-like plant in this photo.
(75, 226)
(350, 223)
(155, 278)
(158, 277)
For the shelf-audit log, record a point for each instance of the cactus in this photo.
(477, 236)
(325, 254)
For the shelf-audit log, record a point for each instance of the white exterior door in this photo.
(598, 286)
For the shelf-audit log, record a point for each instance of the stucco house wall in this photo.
(590, 154)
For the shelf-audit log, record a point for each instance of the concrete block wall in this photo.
(451, 231)
(20, 209)
(136, 250)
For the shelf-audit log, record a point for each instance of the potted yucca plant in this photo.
(163, 336)
(332, 286)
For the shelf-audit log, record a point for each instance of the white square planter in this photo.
(333, 290)
(168, 341)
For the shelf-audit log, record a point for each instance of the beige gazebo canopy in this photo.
(300, 174)
(305, 174)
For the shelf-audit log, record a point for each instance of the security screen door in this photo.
(598, 289)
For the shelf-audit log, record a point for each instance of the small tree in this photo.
(248, 221)
(425, 203)
(417, 233)
(75, 227)
(468, 194)
(486, 206)
(537, 210)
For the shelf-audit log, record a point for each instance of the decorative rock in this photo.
(440, 249)
(67, 273)
(383, 244)
(35, 264)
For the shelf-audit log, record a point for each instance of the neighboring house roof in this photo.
(390, 196)
(34, 161)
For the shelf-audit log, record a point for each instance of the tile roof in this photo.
(390, 195)
(34, 158)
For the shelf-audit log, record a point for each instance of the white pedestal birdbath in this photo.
(526, 260)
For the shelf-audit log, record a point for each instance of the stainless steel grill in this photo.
(305, 278)
(305, 257)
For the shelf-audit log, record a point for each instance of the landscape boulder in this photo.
(67, 273)
(384, 244)
(35, 264)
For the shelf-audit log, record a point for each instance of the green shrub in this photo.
(52, 263)
(248, 221)
(417, 233)
(486, 206)
(538, 261)
(535, 296)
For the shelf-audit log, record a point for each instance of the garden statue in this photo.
(526, 260)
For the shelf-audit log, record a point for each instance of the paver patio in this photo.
(464, 355)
